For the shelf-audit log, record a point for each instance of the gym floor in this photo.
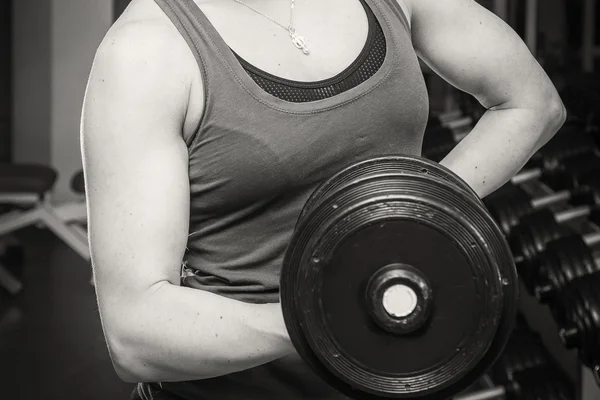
(51, 342)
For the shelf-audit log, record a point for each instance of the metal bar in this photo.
(526, 176)
(19, 198)
(486, 394)
(70, 237)
(591, 239)
(572, 214)
(73, 211)
(80, 231)
(13, 221)
(458, 123)
(551, 199)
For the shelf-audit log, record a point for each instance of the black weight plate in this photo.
(384, 164)
(524, 351)
(563, 260)
(508, 210)
(535, 230)
(584, 303)
(389, 219)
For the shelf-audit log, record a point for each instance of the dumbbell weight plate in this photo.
(509, 209)
(381, 165)
(524, 351)
(581, 309)
(563, 260)
(419, 233)
(530, 237)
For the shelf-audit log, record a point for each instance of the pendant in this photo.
(300, 43)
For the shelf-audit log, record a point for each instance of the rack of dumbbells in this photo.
(550, 213)
(525, 370)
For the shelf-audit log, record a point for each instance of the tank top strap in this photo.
(398, 12)
(202, 39)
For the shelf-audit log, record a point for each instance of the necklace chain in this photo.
(297, 40)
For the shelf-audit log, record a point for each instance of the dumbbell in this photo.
(569, 142)
(560, 174)
(569, 174)
(564, 260)
(546, 383)
(508, 208)
(359, 283)
(524, 351)
(535, 230)
(580, 306)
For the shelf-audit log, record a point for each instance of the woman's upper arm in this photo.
(136, 163)
(478, 53)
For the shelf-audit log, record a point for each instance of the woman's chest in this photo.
(334, 32)
(255, 156)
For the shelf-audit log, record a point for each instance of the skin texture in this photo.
(144, 100)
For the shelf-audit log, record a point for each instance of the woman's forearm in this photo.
(179, 334)
(500, 145)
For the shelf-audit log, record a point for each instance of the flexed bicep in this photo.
(135, 162)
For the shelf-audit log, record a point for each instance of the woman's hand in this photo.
(478, 53)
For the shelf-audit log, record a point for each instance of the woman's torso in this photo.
(254, 158)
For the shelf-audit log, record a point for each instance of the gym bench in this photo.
(25, 189)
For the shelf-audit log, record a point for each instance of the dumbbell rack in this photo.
(541, 320)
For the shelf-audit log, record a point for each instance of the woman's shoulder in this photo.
(142, 18)
(143, 48)
(405, 5)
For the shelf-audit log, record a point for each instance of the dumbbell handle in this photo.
(526, 176)
(458, 124)
(485, 394)
(544, 291)
(590, 239)
(573, 213)
(551, 199)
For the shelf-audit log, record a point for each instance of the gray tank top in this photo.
(255, 159)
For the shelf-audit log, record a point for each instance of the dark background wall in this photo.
(32, 80)
(5, 80)
(119, 6)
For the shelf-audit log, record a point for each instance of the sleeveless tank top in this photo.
(362, 68)
(254, 161)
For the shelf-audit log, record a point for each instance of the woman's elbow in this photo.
(552, 114)
(126, 360)
(557, 113)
